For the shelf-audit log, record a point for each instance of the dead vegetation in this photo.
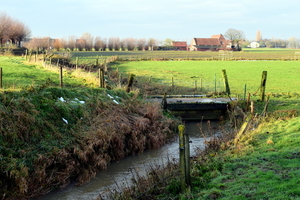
(40, 152)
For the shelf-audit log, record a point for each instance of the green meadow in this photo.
(282, 77)
(17, 74)
(246, 54)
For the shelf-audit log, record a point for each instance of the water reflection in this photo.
(118, 172)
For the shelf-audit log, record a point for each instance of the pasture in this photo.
(17, 75)
(283, 76)
(246, 54)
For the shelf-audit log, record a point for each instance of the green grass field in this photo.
(247, 54)
(283, 76)
(17, 74)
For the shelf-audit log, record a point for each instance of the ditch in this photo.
(120, 172)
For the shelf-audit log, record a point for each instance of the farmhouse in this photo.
(179, 45)
(254, 44)
(214, 43)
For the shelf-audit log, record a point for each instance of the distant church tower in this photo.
(258, 36)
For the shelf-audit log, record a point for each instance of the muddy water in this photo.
(120, 173)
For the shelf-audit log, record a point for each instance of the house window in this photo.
(221, 42)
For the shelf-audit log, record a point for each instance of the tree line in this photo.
(87, 42)
(12, 31)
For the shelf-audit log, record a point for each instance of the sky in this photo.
(159, 19)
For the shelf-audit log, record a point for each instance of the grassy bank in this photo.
(263, 165)
(51, 135)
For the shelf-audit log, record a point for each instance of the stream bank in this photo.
(52, 136)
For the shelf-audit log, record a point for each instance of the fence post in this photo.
(263, 85)
(215, 84)
(101, 78)
(76, 63)
(248, 102)
(187, 160)
(172, 84)
(195, 84)
(201, 84)
(61, 76)
(1, 77)
(182, 158)
(227, 89)
(130, 82)
(245, 90)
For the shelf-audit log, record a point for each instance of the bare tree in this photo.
(38, 43)
(141, 44)
(151, 44)
(5, 21)
(12, 30)
(17, 32)
(235, 36)
(293, 42)
(89, 40)
(56, 44)
(71, 42)
(99, 44)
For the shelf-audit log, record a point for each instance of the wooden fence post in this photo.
(101, 78)
(61, 76)
(172, 84)
(243, 128)
(76, 63)
(164, 102)
(215, 84)
(1, 75)
(201, 84)
(263, 85)
(30, 55)
(182, 158)
(252, 108)
(187, 160)
(226, 84)
(245, 90)
(248, 102)
(195, 84)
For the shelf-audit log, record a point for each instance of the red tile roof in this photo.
(207, 41)
(179, 44)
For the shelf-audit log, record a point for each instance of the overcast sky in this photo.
(159, 19)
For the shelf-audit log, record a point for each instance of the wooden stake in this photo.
(252, 108)
(263, 85)
(248, 102)
(76, 63)
(187, 160)
(242, 129)
(182, 158)
(101, 78)
(1, 75)
(61, 76)
(226, 84)
(245, 90)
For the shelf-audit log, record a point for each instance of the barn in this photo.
(214, 43)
